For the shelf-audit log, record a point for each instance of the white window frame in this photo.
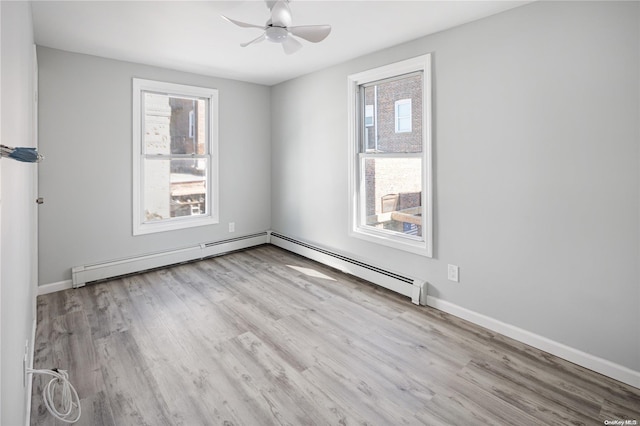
(140, 227)
(398, 117)
(357, 219)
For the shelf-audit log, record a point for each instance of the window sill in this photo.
(410, 244)
(173, 225)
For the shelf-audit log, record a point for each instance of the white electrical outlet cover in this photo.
(452, 273)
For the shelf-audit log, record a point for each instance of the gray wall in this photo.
(18, 276)
(536, 130)
(85, 127)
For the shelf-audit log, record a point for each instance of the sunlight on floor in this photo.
(311, 272)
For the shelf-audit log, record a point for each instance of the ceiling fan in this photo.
(278, 28)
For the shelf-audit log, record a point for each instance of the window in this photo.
(174, 156)
(403, 116)
(368, 115)
(390, 155)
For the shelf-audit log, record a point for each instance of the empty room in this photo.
(320, 212)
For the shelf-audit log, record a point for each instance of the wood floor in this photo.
(254, 338)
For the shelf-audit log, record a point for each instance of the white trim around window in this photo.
(358, 227)
(208, 157)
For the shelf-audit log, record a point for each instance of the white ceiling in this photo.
(191, 36)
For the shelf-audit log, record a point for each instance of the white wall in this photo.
(536, 160)
(17, 209)
(85, 121)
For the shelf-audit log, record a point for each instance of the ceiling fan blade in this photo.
(312, 33)
(280, 14)
(291, 45)
(242, 24)
(255, 40)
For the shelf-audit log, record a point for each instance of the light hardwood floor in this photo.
(247, 339)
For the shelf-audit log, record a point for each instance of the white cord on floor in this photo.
(70, 400)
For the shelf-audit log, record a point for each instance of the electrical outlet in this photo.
(453, 273)
(232, 227)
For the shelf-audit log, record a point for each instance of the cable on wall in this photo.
(70, 410)
(26, 155)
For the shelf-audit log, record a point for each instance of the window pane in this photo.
(174, 188)
(404, 124)
(368, 115)
(174, 125)
(395, 126)
(404, 109)
(393, 194)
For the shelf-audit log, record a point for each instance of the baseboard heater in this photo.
(414, 288)
(80, 275)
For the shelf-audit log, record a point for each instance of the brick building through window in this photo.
(393, 185)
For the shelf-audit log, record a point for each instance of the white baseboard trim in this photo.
(53, 287)
(592, 362)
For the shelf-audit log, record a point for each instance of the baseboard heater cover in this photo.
(414, 288)
(80, 275)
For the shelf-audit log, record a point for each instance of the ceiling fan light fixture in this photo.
(278, 28)
(276, 34)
